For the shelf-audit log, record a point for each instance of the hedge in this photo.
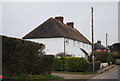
(73, 64)
(58, 64)
(22, 57)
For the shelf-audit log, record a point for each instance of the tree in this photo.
(115, 51)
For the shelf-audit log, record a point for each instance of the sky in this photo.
(19, 18)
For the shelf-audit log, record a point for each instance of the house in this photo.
(115, 49)
(98, 47)
(59, 37)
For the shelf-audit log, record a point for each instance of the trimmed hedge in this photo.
(22, 57)
(73, 64)
(58, 64)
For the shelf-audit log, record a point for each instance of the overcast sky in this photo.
(19, 18)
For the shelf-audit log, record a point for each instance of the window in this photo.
(78, 43)
(87, 46)
(67, 41)
(83, 45)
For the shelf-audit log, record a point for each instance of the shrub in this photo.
(89, 66)
(103, 57)
(22, 57)
(58, 64)
(69, 64)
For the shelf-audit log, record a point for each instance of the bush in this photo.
(102, 57)
(22, 57)
(73, 64)
(58, 64)
(89, 66)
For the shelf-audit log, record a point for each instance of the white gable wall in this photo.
(56, 45)
(52, 45)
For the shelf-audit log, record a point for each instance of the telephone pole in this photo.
(92, 39)
(106, 42)
(64, 45)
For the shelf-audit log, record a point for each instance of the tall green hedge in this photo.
(22, 57)
(58, 64)
(73, 64)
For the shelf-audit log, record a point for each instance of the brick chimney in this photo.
(71, 24)
(99, 41)
(60, 18)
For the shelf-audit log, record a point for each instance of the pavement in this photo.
(75, 76)
(113, 73)
(105, 69)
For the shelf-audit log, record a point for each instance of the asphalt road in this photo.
(110, 75)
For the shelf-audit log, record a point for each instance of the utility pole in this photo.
(92, 39)
(106, 42)
(64, 45)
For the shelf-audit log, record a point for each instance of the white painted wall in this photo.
(73, 47)
(52, 45)
(56, 45)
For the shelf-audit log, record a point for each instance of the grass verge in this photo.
(77, 73)
(47, 77)
(28, 76)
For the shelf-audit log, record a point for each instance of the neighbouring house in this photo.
(115, 49)
(59, 37)
(98, 47)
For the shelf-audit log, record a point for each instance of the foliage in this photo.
(47, 77)
(74, 64)
(89, 66)
(115, 47)
(58, 64)
(75, 73)
(102, 57)
(31, 77)
(22, 57)
(115, 51)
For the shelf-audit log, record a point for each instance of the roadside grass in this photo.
(28, 76)
(22, 76)
(77, 73)
(47, 77)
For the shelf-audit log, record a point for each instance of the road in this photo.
(110, 75)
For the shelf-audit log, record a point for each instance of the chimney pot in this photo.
(60, 18)
(71, 24)
(99, 41)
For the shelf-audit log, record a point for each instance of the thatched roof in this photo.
(53, 28)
